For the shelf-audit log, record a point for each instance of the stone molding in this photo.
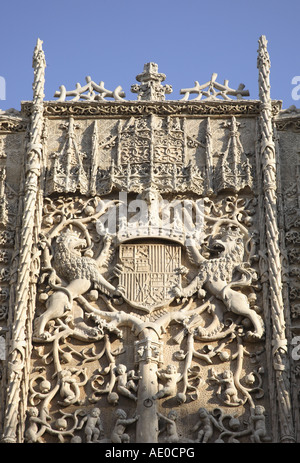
(141, 108)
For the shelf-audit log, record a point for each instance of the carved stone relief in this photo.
(107, 309)
(149, 264)
(171, 153)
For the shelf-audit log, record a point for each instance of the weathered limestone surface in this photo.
(149, 263)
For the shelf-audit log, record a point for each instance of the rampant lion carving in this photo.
(71, 265)
(79, 272)
(222, 269)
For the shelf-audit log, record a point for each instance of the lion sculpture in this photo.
(80, 272)
(217, 274)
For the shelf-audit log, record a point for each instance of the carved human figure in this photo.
(69, 389)
(125, 385)
(226, 382)
(33, 434)
(205, 425)
(93, 427)
(118, 435)
(230, 390)
(170, 378)
(171, 428)
(153, 199)
(258, 424)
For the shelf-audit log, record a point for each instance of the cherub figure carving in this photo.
(170, 378)
(36, 426)
(258, 424)
(227, 389)
(93, 426)
(118, 435)
(205, 426)
(69, 386)
(125, 382)
(171, 428)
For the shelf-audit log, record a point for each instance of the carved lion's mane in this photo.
(70, 265)
(223, 267)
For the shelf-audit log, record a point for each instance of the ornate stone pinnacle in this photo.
(151, 88)
(38, 54)
(263, 65)
(39, 65)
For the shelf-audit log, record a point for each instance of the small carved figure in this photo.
(230, 392)
(171, 377)
(69, 388)
(34, 432)
(123, 384)
(258, 425)
(206, 422)
(93, 428)
(171, 428)
(226, 382)
(118, 436)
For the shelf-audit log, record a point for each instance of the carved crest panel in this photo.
(149, 274)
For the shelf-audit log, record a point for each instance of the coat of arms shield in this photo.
(149, 274)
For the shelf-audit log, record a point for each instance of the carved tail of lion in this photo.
(237, 303)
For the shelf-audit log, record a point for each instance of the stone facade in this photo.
(149, 264)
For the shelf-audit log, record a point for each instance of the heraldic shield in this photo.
(149, 273)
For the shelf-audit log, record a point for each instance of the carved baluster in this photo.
(234, 146)
(185, 142)
(69, 154)
(268, 162)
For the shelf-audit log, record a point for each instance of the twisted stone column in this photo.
(269, 172)
(19, 349)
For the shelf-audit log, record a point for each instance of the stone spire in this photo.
(150, 88)
(19, 354)
(269, 171)
(39, 65)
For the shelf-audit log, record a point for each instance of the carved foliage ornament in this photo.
(212, 301)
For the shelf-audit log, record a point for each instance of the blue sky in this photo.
(110, 40)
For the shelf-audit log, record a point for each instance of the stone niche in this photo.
(149, 264)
